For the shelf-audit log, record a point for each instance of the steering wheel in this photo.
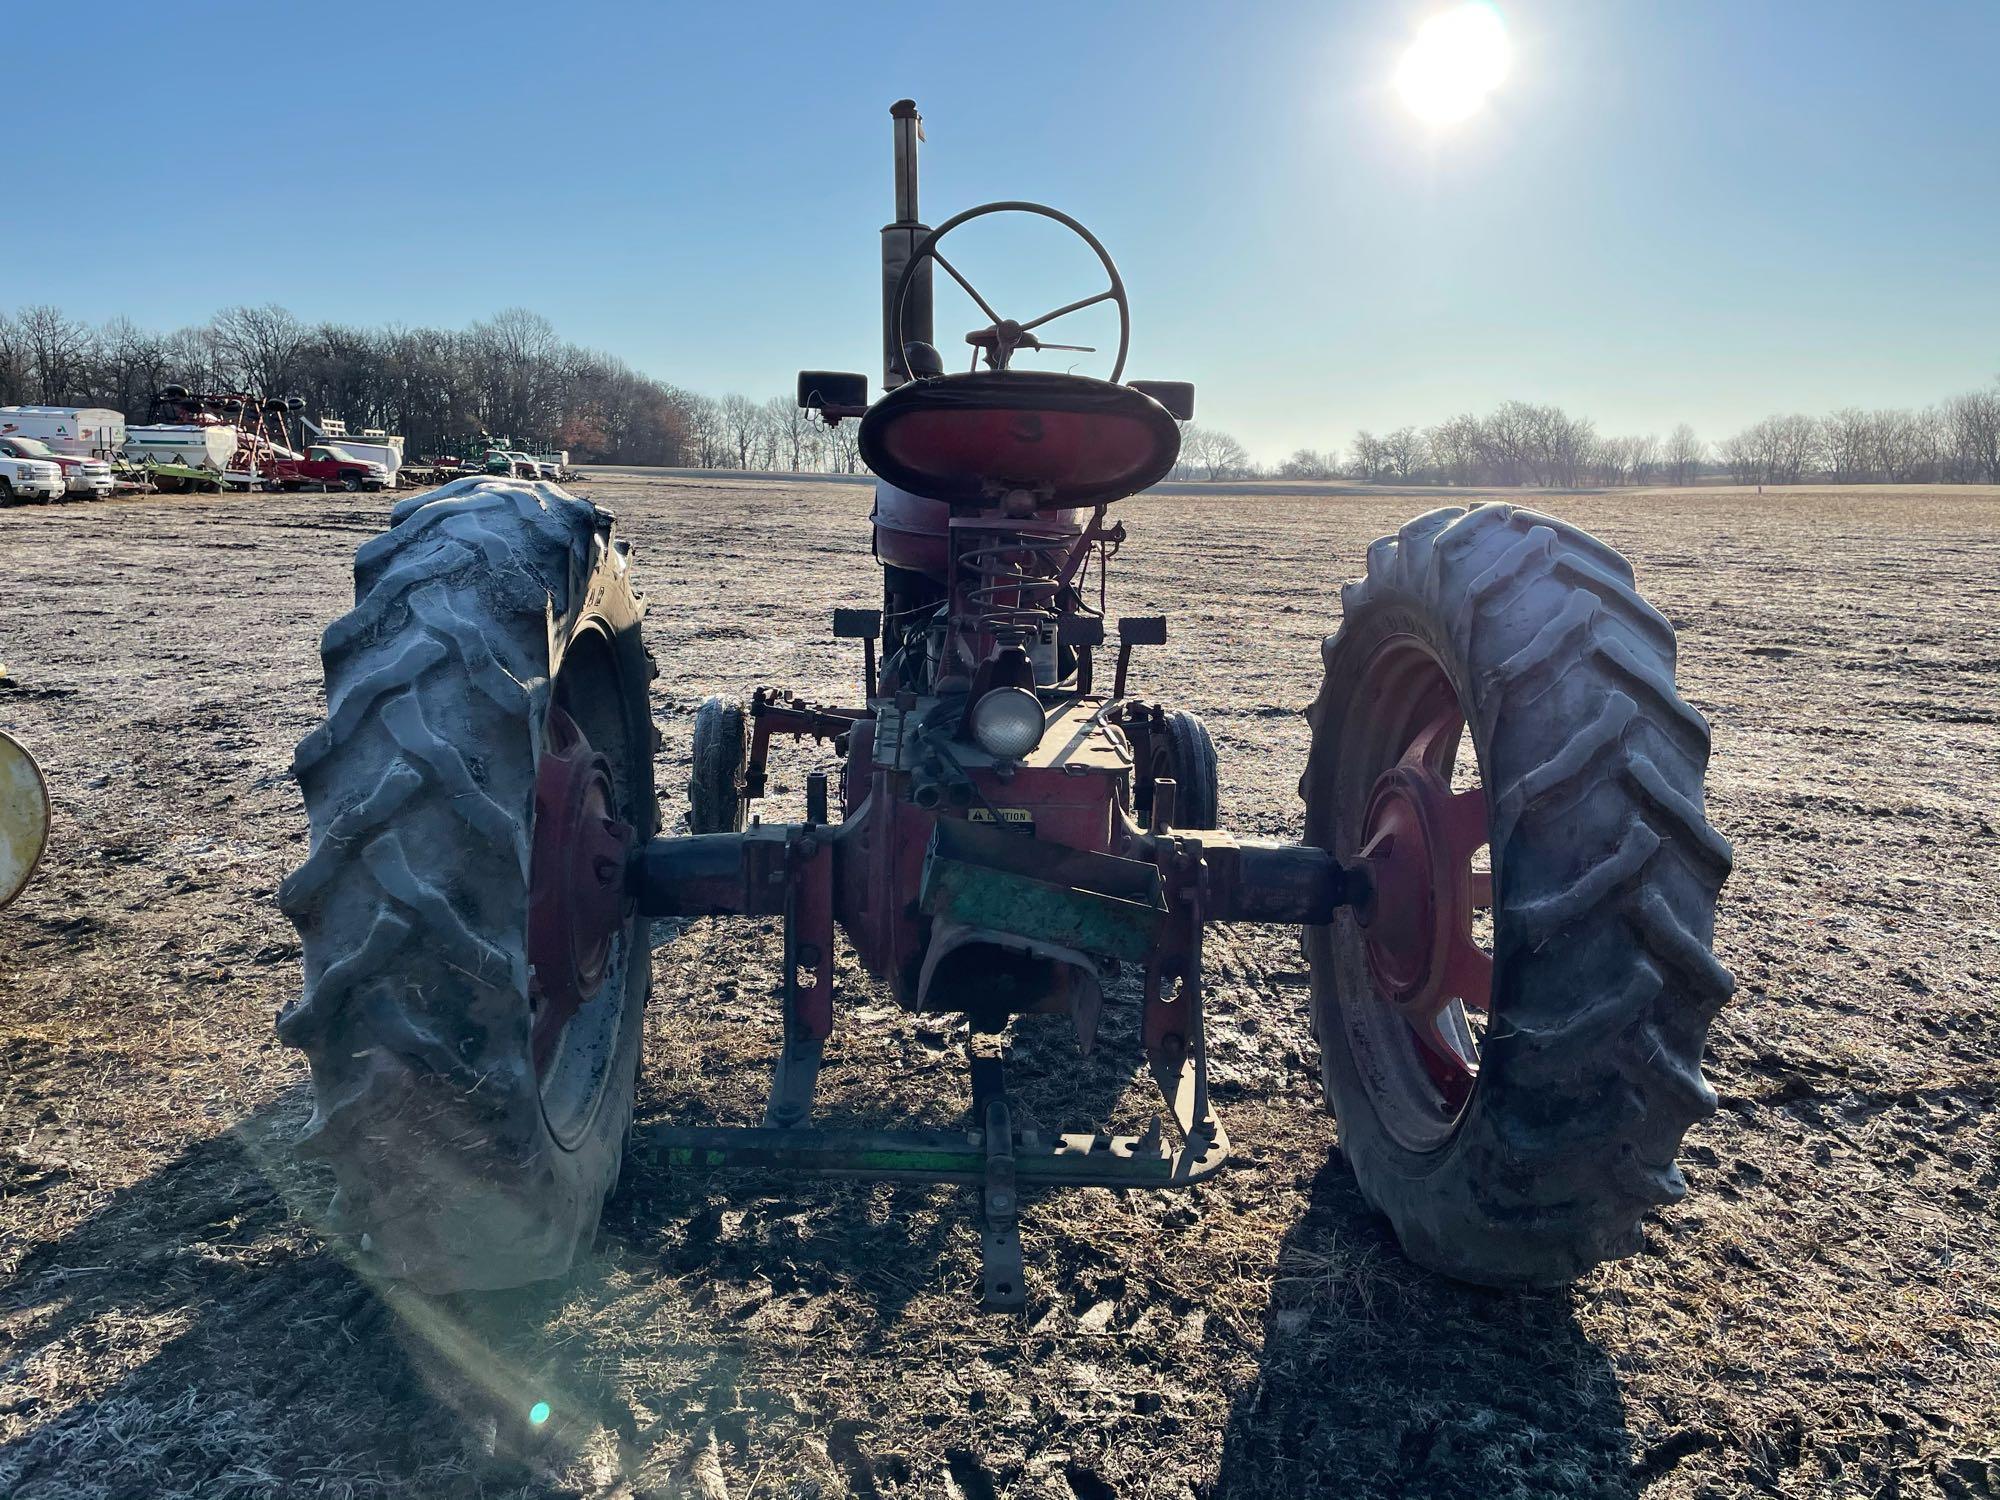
(1004, 335)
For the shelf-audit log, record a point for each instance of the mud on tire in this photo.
(483, 607)
(1605, 875)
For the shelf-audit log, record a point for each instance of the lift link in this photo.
(1003, 1272)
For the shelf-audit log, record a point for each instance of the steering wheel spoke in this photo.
(1069, 307)
(970, 290)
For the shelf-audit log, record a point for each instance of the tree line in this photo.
(512, 375)
(1521, 443)
(509, 376)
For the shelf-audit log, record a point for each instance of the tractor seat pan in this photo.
(1068, 440)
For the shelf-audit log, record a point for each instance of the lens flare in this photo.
(538, 1413)
(1457, 59)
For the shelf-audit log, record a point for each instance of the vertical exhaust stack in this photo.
(899, 243)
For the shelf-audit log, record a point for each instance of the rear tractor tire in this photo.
(719, 777)
(487, 724)
(1513, 1109)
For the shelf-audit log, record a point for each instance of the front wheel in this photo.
(1174, 743)
(474, 974)
(718, 777)
(350, 482)
(1511, 1027)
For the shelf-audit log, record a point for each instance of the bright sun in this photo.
(1457, 58)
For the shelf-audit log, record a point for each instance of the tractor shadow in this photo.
(228, 1322)
(199, 1334)
(1379, 1378)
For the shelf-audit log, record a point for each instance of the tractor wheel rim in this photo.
(577, 896)
(1418, 839)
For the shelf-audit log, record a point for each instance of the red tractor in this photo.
(1506, 883)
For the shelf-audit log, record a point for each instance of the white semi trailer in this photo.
(85, 431)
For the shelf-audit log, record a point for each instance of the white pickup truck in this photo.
(29, 479)
(88, 477)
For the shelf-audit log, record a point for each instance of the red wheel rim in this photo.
(577, 899)
(1418, 839)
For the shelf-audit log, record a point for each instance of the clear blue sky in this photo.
(1688, 211)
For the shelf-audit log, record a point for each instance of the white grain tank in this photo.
(198, 445)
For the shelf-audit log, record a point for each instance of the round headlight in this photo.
(1008, 722)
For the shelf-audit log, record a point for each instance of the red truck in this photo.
(329, 466)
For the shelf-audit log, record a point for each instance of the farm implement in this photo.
(1506, 883)
(25, 815)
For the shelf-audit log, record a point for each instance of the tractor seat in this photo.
(1068, 440)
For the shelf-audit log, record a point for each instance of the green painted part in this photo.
(980, 896)
(1070, 1160)
(917, 1159)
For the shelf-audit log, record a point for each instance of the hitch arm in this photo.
(713, 874)
(1252, 880)
(1260, 880)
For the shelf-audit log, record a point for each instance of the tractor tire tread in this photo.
(411, 901)
(1606, 872)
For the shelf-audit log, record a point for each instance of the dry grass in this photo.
(1819, 1317)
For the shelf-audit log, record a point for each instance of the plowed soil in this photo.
(1820, 1316)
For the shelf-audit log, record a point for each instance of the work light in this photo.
(1008, 722)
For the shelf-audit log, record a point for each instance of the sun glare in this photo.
(1457, 58)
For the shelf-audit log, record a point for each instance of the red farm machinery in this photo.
(1506, 882)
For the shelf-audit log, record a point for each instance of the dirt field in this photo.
(1821, 1316)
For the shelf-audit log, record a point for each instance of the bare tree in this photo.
(1643, 457)
(1455, 448)
(843, 456)
(1797, 446)
(260, 346)
(54, 349)
(1683, 456)
(1209, 454)
(770, 435)
(1306, 463)
(1972, 429)
(1403, 452)
(1371, 457)
(1897, 443)
(130, 367)
(1611, 460)
(13, 363)
(1847, 438)
(1738, 454)
(739, 416)
(704, 418)
(796, 428)
(1509, 440)
(1778, 450)
(1567, 444)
